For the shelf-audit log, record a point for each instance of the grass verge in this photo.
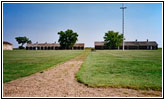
(20, 63)
(136, 69)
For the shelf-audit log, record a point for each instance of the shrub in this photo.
(21, 47)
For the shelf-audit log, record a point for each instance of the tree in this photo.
(113, 39)
(67, 39)
(29, 41)
(22, 41)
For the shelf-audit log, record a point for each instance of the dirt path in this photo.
(60, 81)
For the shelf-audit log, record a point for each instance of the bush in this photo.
(21, 47)
(93, 50)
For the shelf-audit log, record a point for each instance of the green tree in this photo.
(67, 39)
(113, 39)
(22, 41)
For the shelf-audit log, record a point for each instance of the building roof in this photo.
(79, 44)
(130, 43)
(140, 43)
(43, 44)
(53, 44)
(99, 43)
(5, 42)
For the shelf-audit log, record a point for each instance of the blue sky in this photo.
(41, 22)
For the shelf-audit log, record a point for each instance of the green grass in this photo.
(136, 69)
(20, 63)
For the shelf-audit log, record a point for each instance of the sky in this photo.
(41, 22)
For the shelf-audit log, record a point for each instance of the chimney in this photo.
(136, 40)
(147, 40)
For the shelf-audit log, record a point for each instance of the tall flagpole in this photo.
(123, 22)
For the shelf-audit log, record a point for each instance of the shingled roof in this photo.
(79, 44)
(140, 43)
(100, 43)
(43, 44)
(5, 42)
(53, 44)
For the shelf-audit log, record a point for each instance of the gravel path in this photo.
(60, 81)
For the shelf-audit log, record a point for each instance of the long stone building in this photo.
(145, 45)
(52, 46)
(7, 46)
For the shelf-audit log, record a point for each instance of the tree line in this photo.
(68, 38)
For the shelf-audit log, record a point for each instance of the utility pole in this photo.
(123, 21)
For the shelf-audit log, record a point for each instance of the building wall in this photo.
(51, 48)
(129, 47)
(7, 47)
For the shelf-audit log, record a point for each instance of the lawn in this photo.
(20, 63)
(136, 69)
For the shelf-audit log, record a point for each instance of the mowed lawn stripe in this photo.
(137, 69)
(20, 63)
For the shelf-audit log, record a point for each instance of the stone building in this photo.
(52, 46)
(145, 45)
(7, 46)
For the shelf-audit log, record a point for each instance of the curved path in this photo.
(60, 81)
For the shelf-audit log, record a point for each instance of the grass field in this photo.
(137, 69)
(20, 63)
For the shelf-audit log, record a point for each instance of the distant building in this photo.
(7, 46)
(130, 45)
(52, 46)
